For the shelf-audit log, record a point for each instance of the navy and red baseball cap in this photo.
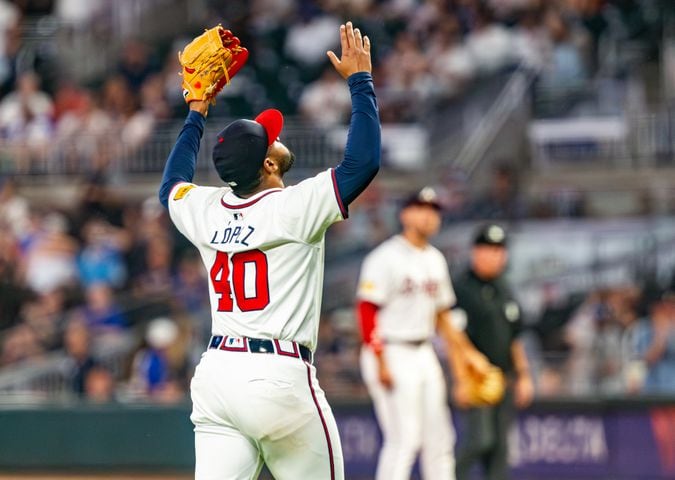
(241, 148)
(426, 196)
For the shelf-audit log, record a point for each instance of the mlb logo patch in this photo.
(235, 342)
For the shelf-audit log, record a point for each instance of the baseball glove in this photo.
(486, 390)
(209, 62)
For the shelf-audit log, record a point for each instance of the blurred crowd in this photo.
(48, 119)
(612, 341)
(426, 54)
(107, 288)
(110, 284)
(121, 299)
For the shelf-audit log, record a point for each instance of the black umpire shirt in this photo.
(493, 317)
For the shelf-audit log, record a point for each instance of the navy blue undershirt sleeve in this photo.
(362, 152)
(180, 166)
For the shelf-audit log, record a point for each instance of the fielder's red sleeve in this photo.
(367, 314)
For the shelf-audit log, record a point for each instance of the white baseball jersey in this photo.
(410, 285)
(264, 254)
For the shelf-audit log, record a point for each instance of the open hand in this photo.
(355, 52)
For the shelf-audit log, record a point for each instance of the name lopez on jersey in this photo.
(232, 235)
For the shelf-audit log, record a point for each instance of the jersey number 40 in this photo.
(223, 286)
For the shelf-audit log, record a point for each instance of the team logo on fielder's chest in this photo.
(410, 286)
(182, 191)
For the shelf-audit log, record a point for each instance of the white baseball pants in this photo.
(414, 415)
(255, 408)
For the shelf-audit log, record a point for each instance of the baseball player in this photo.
(255, 394)
(404, 295)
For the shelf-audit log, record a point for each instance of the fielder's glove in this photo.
(209, 62)
(486, 390)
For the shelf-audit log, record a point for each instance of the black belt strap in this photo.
(410, 343)
(261, 345)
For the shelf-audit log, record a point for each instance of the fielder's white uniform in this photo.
(265, 256)
(410, 285)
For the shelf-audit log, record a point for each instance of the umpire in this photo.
(493, 323)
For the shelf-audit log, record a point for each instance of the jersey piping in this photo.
(249, 202)
(343, 210)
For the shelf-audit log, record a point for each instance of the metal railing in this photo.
(482, 138)
(653, 137)
(628, 141)
(89, 49)
(50, 375)
(314, 149)
(644, 139)
(623, 250)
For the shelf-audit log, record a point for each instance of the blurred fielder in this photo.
(255, 395)
(405, 295)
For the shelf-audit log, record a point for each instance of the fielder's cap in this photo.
(490, 234)
(241, 148)
(426, 196)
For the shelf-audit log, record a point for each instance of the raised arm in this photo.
(180, 166)
(208, 63)
(362, 152)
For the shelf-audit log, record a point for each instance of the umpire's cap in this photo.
(426, 196)
(241, 149)
(490, 234)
